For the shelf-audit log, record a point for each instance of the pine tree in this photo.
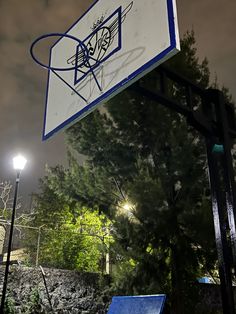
(142, 153)
(157, 163)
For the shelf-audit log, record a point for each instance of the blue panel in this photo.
(204, 280)
(152, 304)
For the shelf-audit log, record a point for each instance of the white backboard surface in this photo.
(113, 44)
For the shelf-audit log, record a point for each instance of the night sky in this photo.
(23, 83)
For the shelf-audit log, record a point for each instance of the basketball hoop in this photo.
(81, 50)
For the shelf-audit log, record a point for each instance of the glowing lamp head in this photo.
(19, 162)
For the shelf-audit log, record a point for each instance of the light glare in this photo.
(127, 206)
(19, 162)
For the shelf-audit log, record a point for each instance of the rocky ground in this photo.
(69, 291)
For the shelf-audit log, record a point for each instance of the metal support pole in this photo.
(4, 290)
(227, 164)
(107, 256)
(38, 246)
(218, 126)
(2, 240)
(220, 224)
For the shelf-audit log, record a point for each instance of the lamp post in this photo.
(18, 164)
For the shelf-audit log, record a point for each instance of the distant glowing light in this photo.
(127, 206)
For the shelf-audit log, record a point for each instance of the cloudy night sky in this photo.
(23, 83)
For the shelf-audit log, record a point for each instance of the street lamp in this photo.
(18, 164)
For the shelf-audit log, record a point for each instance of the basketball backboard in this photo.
(113, 44)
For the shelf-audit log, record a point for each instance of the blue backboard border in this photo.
(85, 111)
